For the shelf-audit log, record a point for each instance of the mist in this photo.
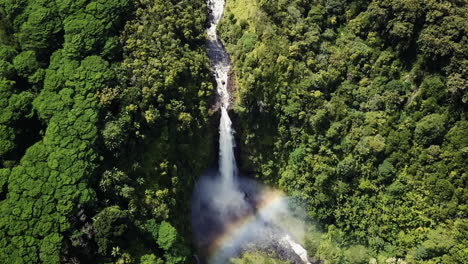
(229, 219)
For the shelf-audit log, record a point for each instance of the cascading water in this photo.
(229, 213)
(221, 66)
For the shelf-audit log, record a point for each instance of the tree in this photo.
(115, 134)
(430, 129)
(166, 235)
(357, 255)
(110, 223)
(83, 34)
(6, 69)
(39, 31)
(150, 259)
(88, 31)
(7, 139)
(26, 63)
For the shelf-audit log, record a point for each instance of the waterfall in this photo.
(225, 199)
(221, 66)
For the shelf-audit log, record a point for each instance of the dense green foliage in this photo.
(43, 187)
(104, 117)
(358, 108)
(157, 133)
(256, 257)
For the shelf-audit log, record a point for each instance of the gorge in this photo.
(232, 214)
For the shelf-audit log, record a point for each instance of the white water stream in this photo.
(221, 66)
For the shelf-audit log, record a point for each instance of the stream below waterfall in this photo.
(233, 214)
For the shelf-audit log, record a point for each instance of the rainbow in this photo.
(236, 230)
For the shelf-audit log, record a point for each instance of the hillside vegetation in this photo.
(104, 127)
(358, 109)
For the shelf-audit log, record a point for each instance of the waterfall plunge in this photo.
(227, 160)
(219, 204)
